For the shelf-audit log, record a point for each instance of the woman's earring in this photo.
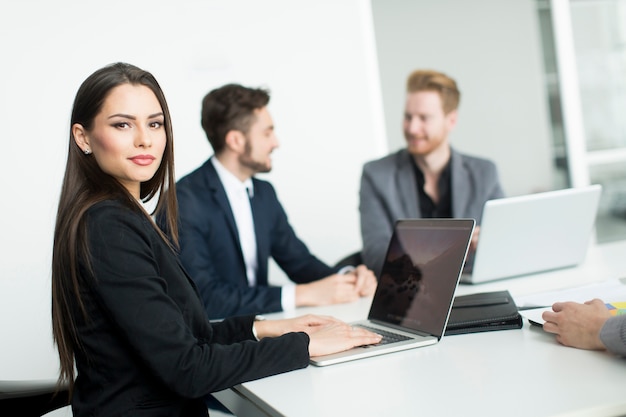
(87, 151)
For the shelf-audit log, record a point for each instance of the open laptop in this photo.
(416, 287)
(533, 233)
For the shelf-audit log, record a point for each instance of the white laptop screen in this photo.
(420, 273)
(533, 233)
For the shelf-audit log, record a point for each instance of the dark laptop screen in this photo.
(420, 274)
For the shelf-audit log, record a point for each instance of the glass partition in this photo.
(597, 39)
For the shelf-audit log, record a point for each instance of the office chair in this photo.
(353, 259)
(31, 398)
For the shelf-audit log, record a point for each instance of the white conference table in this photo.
(521, 372)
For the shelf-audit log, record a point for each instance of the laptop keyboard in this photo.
(388, 337)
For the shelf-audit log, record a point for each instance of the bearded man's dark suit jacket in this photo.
(389, 192)
(210, 250)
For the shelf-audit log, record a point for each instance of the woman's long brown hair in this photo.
(85, 184)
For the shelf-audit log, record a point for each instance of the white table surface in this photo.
(521, 372)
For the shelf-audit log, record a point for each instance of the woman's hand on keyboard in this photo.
(309, 323)
(339, 336)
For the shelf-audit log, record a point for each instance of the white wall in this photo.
(493, 50)
(317, 57)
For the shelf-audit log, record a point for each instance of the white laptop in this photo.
(533, 233)
(416, 288)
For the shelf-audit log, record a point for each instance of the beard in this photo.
(425, 146)
(248, 161)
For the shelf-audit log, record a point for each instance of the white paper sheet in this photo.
(609, 291)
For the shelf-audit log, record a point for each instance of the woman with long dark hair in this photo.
(131, 331)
